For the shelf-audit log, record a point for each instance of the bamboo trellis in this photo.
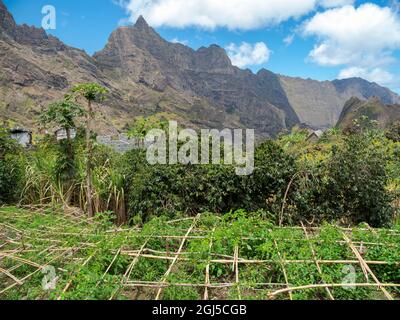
(56, 248)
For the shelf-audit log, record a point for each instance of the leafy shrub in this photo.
(11, 172)
(357, 181)
(394, 132)
(274, 169)
(167, 189)
(11, 176)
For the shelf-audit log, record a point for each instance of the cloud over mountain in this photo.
(377, 75)
(362, 39)
(231, 14)
(247, 54)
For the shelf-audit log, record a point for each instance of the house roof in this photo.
(19, 130)
(55, 130)
(317, 133)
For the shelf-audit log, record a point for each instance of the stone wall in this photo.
(121, 143)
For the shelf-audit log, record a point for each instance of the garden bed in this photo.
(204, 257)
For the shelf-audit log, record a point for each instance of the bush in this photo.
(11, 172)
(189, 189)
(308, 201)
(357, 181)
(274, 169)
(166, 190)
(394, 132)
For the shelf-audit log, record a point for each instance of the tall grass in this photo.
(44, 186)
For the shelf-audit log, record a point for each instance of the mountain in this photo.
(374, 109)
(319, 104)
(211, 89)
(148, 75)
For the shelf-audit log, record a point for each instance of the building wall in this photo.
(62, 134)
(121, 143)
(23, 138)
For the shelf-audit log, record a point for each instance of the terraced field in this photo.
(49, 255)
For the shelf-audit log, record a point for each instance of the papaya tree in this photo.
(91, 92)
(63, 114)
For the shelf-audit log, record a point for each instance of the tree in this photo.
(356, 183)
(63, 114)
(143, 125)
(394, 132)
(11, 170)
(6, 143)
(91, 92)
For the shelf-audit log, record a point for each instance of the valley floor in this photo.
(49, 255)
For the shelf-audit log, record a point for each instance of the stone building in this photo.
(22, 136)
(61, 134)
(315, 136)
(121, 142)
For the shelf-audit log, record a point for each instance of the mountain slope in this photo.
(139, 55)
(374, 109)
(147, 75)
(319, 104)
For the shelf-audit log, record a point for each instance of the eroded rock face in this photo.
(7, 23)
(279, 102)
(138, 53)
(147, 75)
(373, 108)
(38, 38)
(28, 35)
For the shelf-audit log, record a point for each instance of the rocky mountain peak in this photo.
(7, 22)
(353, 100)
(213, 59)
(28, 35)
(365, 90)
(373, 108)
(140, 35)
(148, 75)
(129, 47)
(141, 24)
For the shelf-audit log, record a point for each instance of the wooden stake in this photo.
(365, 266)
(177, 256)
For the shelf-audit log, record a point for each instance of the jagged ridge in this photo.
(374, 108)
(149, 75)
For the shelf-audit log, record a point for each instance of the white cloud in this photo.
(288, 40)
(176, 40)
(365, 35)
(210, 14)
(362, 39)
(377, 75)
(232, 14)
(335, 3)
(247, 54)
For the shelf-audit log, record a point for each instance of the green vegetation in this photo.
(91, 92)
(11, 169)
(351, 179)
(63, 115)
(96, 260)
(394, 132)
(346, 179)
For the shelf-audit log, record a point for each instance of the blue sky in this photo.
(318, 39)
